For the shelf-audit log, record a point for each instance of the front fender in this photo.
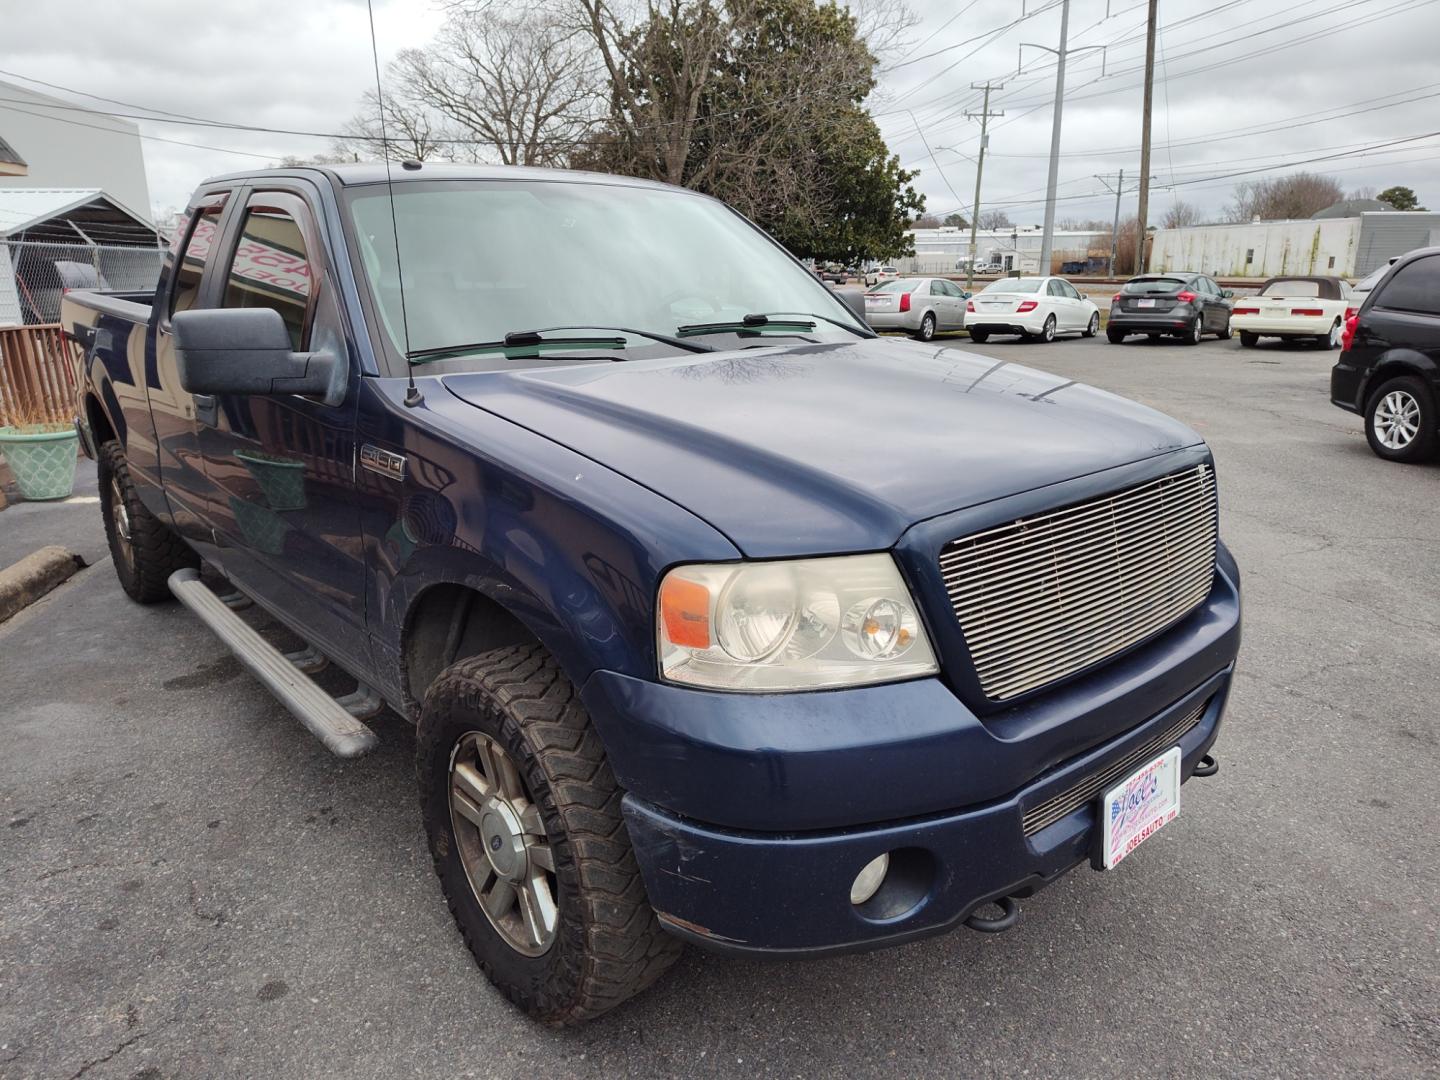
(572, 549)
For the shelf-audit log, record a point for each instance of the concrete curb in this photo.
(26, 581)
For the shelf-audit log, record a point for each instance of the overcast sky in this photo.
(1241, 85)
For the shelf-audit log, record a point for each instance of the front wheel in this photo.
(927, 327)
(523, 818)
(1400, 421)
(979, 336)
(1093, 326)
(1224, 333)
(143, 548)
(1047, 332)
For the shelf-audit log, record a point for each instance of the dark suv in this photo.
(1183, 305)
(1389, 371)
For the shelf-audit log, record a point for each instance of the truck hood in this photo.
(831, 447)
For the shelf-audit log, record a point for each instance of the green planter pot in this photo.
(43, 462)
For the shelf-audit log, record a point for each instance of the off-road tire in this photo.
(608, 945)
(979, 336)
(155, 550)
(1249, 339)
(1423, 446)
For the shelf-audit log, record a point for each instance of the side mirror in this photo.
(247, 351)
(1227, 293)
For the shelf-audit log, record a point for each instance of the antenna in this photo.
(413, 396)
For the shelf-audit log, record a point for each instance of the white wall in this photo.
(1260, 249)
(105, 154)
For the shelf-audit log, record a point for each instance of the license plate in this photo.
(1145, 303)
(1138, 807)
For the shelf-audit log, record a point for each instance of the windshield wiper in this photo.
(527, 344)
(772, 322)
(749, 324)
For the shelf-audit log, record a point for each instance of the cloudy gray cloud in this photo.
(1228, 69)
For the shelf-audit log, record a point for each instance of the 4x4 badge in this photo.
(385, 462)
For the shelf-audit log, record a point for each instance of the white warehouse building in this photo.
(1343, 246)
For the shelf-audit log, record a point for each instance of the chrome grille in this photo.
(1072, 798)
(1044, 597)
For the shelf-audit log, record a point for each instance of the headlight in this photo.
(792, 625)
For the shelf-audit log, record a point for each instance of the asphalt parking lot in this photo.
(192, 887)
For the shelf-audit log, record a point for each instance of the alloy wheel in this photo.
(1397, 420)
(1048, 333)
(502, 844)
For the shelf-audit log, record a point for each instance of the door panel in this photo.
(283, 465)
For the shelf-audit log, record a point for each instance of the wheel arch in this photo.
(1397, 364)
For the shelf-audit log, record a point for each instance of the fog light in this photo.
(867, 882)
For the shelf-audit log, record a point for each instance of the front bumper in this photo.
(750, 814)
(788, 895)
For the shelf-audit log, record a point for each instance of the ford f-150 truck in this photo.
(720, 619)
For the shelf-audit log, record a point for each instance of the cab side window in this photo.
(190, 262)
(272, 268)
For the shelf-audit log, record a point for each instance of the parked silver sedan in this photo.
(922, 306)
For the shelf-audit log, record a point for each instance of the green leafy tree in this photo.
(1400, 197)
(956, 221)
(759, 103)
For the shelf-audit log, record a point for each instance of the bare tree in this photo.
(1180, 215)
(1367, 192)
(886, 26)
(1284, 198)
(521, 86)
(411, 131)
(994, 219)
(926, 221)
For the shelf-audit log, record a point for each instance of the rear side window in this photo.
(1414, 287)
(937, 288)
(272, 269)
(1151, 285)
(191, 264)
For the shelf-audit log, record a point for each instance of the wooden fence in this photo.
(37, 377)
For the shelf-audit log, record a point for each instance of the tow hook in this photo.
(1206, 766)
(1009, 916)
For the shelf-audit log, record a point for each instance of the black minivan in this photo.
(1389, 369)
(1176, 304)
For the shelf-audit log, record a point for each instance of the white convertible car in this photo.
(1039, 307)
(1295, 307)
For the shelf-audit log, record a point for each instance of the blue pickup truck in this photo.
(720, 619)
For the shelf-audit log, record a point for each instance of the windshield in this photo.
(1143, 286)
(1291, 288)
(482, 259)
(1019, 284)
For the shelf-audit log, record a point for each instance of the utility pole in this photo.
(1047, 240)
(984, 117)
(1144, 208)
(1114, 229)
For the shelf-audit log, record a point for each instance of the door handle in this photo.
(204, 409)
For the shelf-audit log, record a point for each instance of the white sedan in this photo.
(1031, 307)
(1295, 307)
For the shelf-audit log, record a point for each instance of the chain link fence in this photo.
(33, 276)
